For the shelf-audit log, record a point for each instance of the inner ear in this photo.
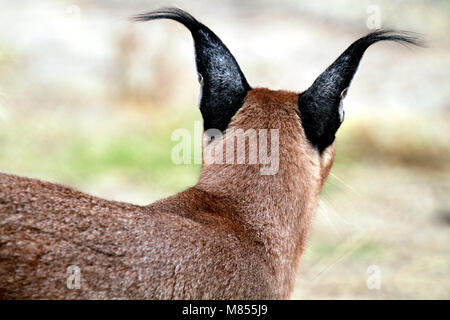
(200, 92)
(341, 105)
(344, 93)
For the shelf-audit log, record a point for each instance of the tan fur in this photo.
(237, 234)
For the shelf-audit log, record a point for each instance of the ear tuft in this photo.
(223, 85)
(320, 107)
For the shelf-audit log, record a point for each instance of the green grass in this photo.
(359, 249)
(137, 151)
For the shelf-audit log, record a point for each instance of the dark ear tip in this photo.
(320, 105)
(138, 18)
(400, 36)
(168, 13)
(224, 86)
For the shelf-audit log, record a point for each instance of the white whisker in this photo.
(345, 184)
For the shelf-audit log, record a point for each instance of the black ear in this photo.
(320, 107)
(223, 85)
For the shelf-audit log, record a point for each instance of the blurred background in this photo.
(90, 100)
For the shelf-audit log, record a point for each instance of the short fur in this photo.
(236, 234)
(227, 237)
